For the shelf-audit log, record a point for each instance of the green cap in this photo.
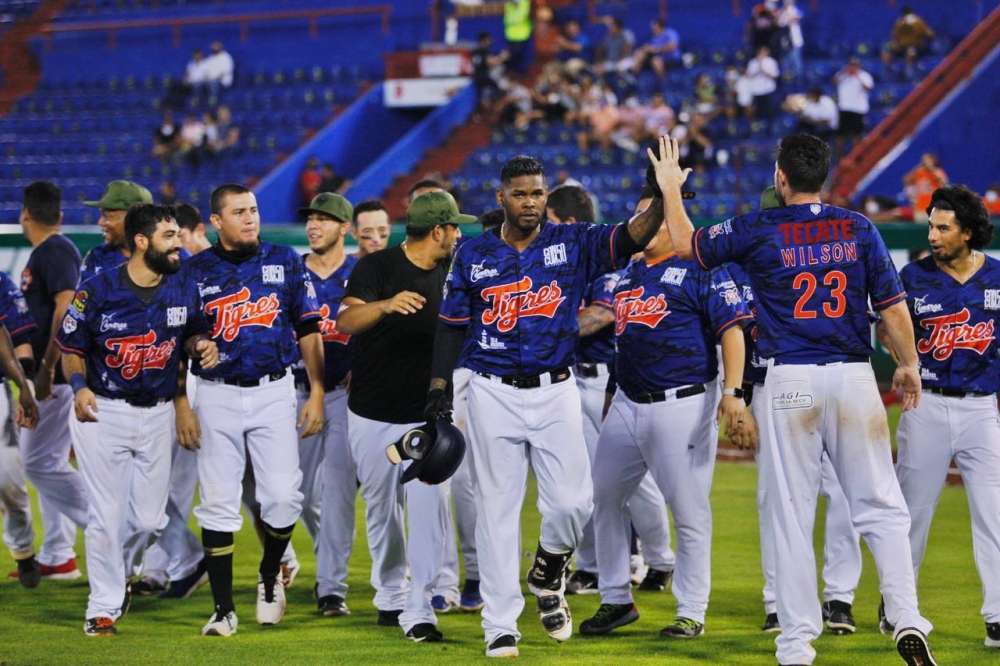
(122, 195)
(328, 203)
(769, 199)
(433, 209)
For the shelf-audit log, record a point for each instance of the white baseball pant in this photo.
(62, 495)
(968, 430)
(837, 408)
(646, 508)
(18, 535)
(124, 460)
(510, 429)
(674, 440)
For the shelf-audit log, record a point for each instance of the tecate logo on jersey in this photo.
(480, 272)
(508, 302)
(138, 353)
(632, 308)
(328, 327)
(951, 332)
(235, 311)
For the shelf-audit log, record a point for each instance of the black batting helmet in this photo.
(436, 450)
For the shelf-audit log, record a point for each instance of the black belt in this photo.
(661, 396)
(956, 393)
(531, 381)
(849, 359)
(590, 370)
(246, 383)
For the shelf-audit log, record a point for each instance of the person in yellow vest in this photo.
(517, 27)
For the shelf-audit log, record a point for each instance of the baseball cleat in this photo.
(388, 618)
(270, 601)
(221, 624)
(100, 627)
(29, 574)
(289, 570)
(582, 582)
(425, 632)
(682, 627)
(838, 618)
(993, 634)
(912, 647)
(608, 617)
(637, 568)
(656, 580)
(554, 613)
(502, 647)
(771, 624)
(127, 600)
(471, 600)
(883, 624)
(185, 587)
(65, 571)
(333, 605)
(147, 586)
(442, 604)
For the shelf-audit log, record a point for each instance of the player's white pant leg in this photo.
(841, 543)
(383, 496)
(618, 469)
(428, 513)
(311, 464)
(678, 440)
(18, 534)
(340, 490)
(448, 576)
(592, 406)
(124, 460)
(648, 511)
(860, 450)
(763, 511)
(462, 495)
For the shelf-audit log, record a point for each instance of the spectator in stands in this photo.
(168, 195)
(695, 143)
(572, 44)
(192, 140)
(370, 226)
(921, 182)
(706, 97)
(614, 52)
(762, 81)
(734, 83)
(819, 115)
(911, 37)
(227, 133)
(879, 208)
(663, 50)
(853, 87)
(330, 181)
(219, 69)
(483, 65)
(166, 139)
(517, 28)
(790, 20)
(196, 73)
(762, 28)
(516, 107)
(658, 119)
(309, 181)
(602, 119)
(553, 96)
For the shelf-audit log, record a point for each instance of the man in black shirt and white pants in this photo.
(391, 305)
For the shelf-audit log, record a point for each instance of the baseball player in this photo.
(121, 352)
(258, 298)
(118, 197)
(841, 550)
(329, 482)
(812, 268)
(391, 306)
(370, 226)
(511, 301)
(595, 353)
(48, 283)
(954, 302)
(669, 315)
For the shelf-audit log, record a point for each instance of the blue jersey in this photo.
(755, 368)
(105, 257)
(600, 347)
(813, 269)
(253, 307)
(521, 307)
(955, 325)
(14, 311)
(338, 348)
(131, 348)
(668, 317)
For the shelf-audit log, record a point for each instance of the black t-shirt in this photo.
(53, 266)
(392, 363)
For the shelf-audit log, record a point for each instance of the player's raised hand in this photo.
(208, 353)
(312, 416)
(26, 412)
(405, 302)
(188, 428)
(85, 406)
(908, 379)
(669, 174)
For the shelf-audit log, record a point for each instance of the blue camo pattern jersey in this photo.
(132, 349)
(955, 325)
(669, 315)
(813, 269)
(14, 311)
(338, 348)
(755, 368)
(253, 308)
(600, 347)
(521, 307)
(104, 257)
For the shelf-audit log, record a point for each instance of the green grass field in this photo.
(44, 626)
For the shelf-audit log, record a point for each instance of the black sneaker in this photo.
(29, 573)
(333, 605)
(582, 582)
(883, 624)
(608, 617)
(183, 588)
(912, 647)
(771, 624)
(147, 586)
(993, 634)
(682, 627)
(388, 618)
(656, 581)
(425, 632)
(127, 601)
(100, 627)
(838, 618)
(502, 647)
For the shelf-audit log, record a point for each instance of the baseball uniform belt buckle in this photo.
(524, 382)
(647, 398)
(145, 403)
(249, 383)
(590, 370)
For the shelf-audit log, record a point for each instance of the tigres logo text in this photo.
(328, 327)
(235, 311)
(510, 301)
(632, 308)
(137, 353)
(951, 332)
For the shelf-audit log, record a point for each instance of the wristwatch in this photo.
(735, 392)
